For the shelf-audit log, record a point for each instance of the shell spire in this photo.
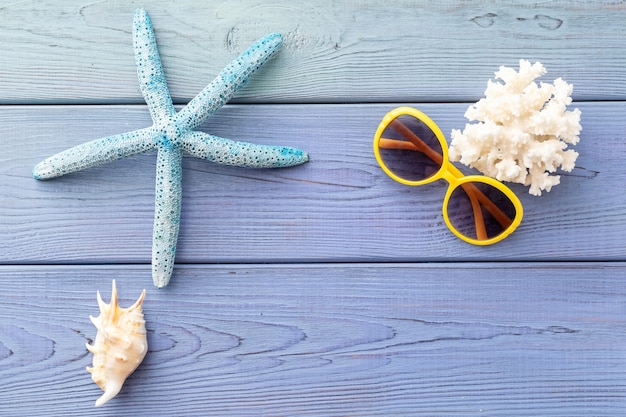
(120, 346)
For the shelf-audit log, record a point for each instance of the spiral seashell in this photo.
(120, 345)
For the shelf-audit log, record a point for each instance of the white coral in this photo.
(523, 129)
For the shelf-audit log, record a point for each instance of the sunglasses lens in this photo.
(410, 149)
(480, 211)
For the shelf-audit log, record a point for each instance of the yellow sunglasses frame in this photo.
(452, 175)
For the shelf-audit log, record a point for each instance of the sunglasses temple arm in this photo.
(417, 141)
(479, 220)
(491, 207)
(385, 143)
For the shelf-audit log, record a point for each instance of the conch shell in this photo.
(120, 346)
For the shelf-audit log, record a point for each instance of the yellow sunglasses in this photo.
(412, 150)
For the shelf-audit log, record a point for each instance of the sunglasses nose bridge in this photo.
(451, 174)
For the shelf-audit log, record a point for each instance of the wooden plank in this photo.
(58, 51)
(338, 207)
(326, 340)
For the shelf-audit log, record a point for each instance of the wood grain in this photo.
(334, 340)
(339, 207)
(81, 52)
(325, 289)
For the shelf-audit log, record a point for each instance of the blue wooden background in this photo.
(325, 289)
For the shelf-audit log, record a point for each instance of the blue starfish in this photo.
(173, 133)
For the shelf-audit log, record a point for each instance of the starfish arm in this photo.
(168, 196)
(242, 154)
(233, 77)
(95, 152)
(149, 69)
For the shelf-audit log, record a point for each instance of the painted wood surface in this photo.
(334, 340)
(335, 51)
(339, 207)
(326, 289)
